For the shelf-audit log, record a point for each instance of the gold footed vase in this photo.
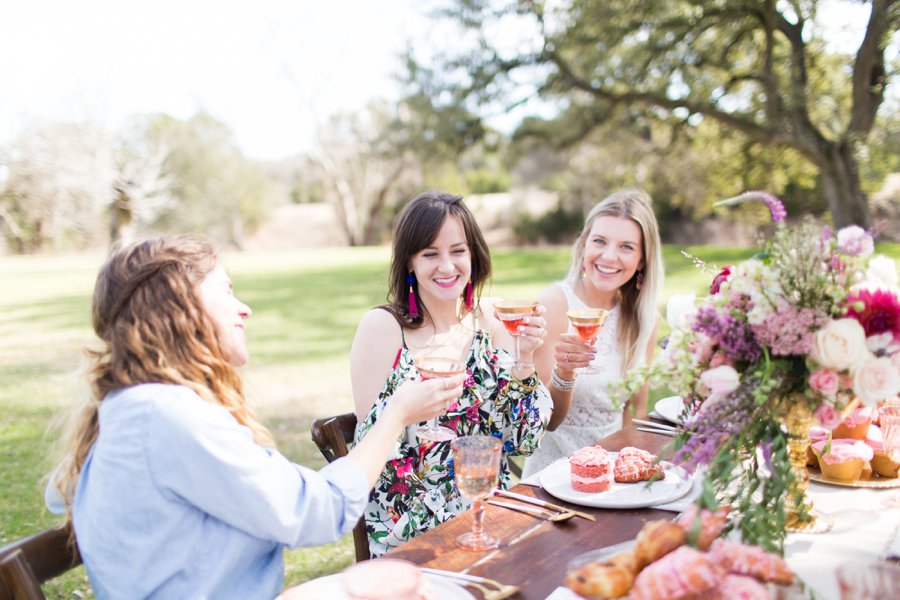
(797, 419)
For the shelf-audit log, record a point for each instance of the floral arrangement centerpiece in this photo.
(809, 326)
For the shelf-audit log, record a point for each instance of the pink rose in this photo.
(876, 379)
(828, 416)
(721, 380)
(855, 241)
(719, 279)
(825, 382)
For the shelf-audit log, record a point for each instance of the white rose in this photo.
(875, 380)
(722, 380)
(679, 309)
(841, 344)
(882, 269)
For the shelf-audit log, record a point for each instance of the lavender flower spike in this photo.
(776, 207)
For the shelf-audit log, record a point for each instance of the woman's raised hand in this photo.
(533, 330)
(418, 401)
(572, 352)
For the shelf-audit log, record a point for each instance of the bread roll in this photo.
(610, 578)
(656, 539)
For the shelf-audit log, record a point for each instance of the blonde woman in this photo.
(173, 485)
(616, 265)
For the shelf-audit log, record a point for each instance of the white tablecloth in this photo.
(863, 531)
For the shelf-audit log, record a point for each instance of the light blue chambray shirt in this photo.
(175, 500)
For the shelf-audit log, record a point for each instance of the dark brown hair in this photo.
(417, 226)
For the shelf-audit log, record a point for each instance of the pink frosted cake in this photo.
(591, 469)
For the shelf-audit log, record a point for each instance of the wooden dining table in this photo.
(534, 553)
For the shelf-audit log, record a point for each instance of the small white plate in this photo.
(670, 408)
(330, 587)
(557, 480)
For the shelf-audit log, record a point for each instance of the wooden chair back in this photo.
(333, 436)
(27, 563)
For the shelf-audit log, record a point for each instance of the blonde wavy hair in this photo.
(153, 329)
(637, 316)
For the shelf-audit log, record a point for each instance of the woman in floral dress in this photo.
(439, 264)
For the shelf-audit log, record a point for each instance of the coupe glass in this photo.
(437, 367)
(587, 323)
(889, 418)
(476, 461)
(512, 313)
(868, 581)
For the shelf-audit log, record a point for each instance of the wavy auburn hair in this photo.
(638, 306)
(416, 228)
(153, 328)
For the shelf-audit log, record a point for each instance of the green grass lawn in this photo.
(306, 305)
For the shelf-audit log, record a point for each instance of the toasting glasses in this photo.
(587, 323)
(512, 313)
(476, 462)
(437, 367)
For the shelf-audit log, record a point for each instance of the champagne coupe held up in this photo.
(512, 313)
(476, 463)
(437, 367)
(587, 323)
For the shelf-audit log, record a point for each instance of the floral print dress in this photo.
(416, 491)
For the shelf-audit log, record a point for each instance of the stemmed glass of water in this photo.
(476, 462)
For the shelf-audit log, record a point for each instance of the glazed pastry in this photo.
(744, 559)
(591, 469)
(610, 578)
(845, 460)
(710, 526)
(816, 434)
(633, 465)
(682, 573)
(855, 425)
(656, 539)
(885, 464)
(736, 587)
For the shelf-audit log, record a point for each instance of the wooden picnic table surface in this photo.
(534, 553)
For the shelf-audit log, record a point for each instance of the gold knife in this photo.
(538, 502)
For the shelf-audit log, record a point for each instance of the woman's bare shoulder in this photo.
(378, 329)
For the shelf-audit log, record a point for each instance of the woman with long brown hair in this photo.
(439, 263)
(173, 485)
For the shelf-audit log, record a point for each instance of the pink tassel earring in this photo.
(413, 307)
(639, 281)
(469, 296)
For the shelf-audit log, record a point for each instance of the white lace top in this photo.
(591, 415)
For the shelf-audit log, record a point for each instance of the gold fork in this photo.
(500, 591)
(547, 515)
